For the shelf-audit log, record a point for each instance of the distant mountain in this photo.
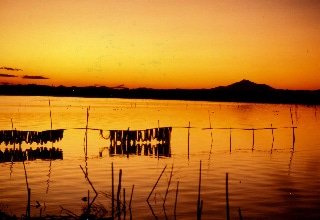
(247, 85)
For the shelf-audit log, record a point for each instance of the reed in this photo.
(94, 198)
(124, 203)
(176, 201)
(87, 178)
(155, 185)
(112, 191)
(130, 202)
(118, 195)
(28, 207)
(88, 208)
(131, 197)
(240, 215)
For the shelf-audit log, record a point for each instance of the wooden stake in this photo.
(272, 138)
(230, 139)
(189, 141)
(252, 138)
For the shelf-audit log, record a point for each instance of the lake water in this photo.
(272, 173)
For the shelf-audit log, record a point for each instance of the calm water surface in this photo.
(271, 175)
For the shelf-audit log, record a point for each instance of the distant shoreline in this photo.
(243, 91)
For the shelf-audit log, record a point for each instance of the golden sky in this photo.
(160, 43)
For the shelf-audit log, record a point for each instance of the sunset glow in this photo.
(160, 44)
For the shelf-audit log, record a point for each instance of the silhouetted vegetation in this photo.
(243, 91)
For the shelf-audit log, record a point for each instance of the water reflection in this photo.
(19, 155)
(149, 142)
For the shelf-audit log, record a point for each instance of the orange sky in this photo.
(161, 43)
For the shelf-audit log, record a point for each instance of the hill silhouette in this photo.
(242, 91)
(247, 85)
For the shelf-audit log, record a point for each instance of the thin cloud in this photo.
(10, 68)
(7, 75)
(34, 77)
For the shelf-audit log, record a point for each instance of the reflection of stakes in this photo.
(227, 197)
(86, 153)
(156, 183)
(165, 197)
(200, 204)
(112, 196)
(272, 138)
(293, 135)
(131, 201)
(124, 203)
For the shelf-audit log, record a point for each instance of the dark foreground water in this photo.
(272, 173)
